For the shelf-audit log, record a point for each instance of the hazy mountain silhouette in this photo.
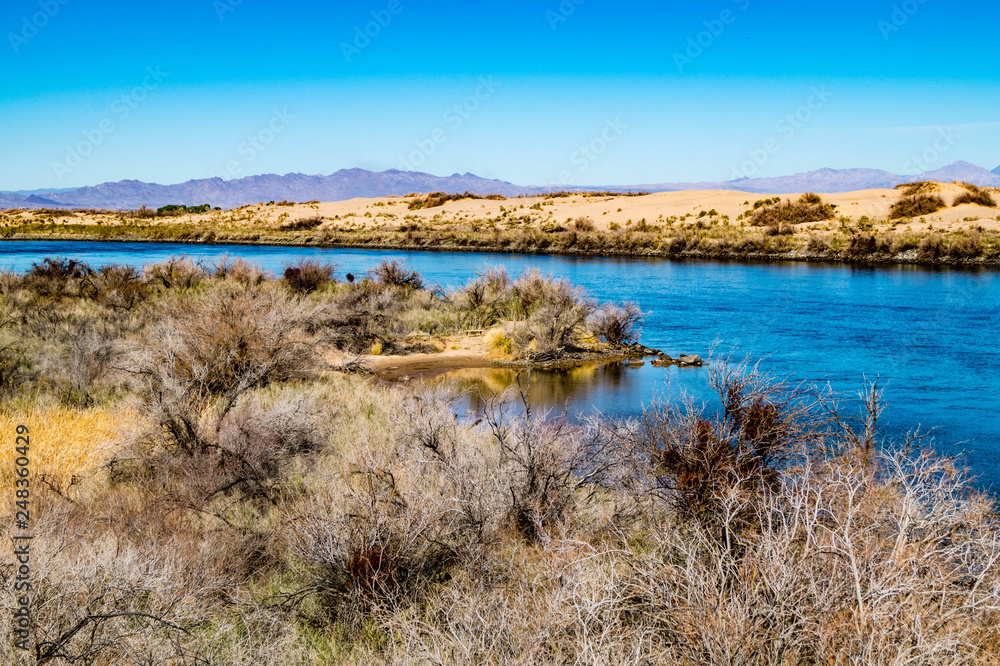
(353, 183)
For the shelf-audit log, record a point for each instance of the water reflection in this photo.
(610, 388)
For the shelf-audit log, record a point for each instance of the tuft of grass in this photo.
(498, 342)
(65, 445)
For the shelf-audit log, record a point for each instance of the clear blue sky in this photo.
(255, 86)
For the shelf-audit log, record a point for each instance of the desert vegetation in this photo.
(208, 490)
(976, 196)
(952, 221)
(809, 208)
(916, 205)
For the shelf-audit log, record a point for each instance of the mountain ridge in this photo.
(357, 183)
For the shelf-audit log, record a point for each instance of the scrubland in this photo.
(927, 223)
(209, 489)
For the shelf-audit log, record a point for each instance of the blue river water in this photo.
(930, 335)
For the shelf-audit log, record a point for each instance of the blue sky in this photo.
(583, 92)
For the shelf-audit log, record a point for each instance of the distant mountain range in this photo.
(353, 183)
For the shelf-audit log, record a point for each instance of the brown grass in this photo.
(67, 445)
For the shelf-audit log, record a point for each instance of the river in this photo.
(929, 335)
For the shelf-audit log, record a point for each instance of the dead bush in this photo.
(702, 466)
(487, 299)
(976, 197)
(116, 286)
(967, 246)
(809, 208)
(368, 552)
(57, 277)
(931, 248)
(544, 463)
(618, 324)
(176, 273)
(361, 314)
(209, 350)
(556, 319)
(308, 275)
(238, 270)
(395, 274)
(915, 206)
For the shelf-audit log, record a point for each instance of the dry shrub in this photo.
(555, 310)
(118, 287)
(239, 270)
(303, 223)
(176, 273)
(367, 551)
(809, 208)
(436, 199)
(10, 281)
(618, 324)
(701, 465)
(15, 366)
(246, 460)
(395, 274)
(915, 206)
(931, 248)
(308, 275)
(818, 245)
(862, 245)
(918, 187)
(486, 300)
(976, 197)
(361, 314)
(209, 350)
(967, 246)
(544, 463)
(56, 277)
(91, 351)
(583, 224)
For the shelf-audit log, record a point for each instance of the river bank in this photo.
(867, 227)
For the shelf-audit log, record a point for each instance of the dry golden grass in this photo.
(66, 444)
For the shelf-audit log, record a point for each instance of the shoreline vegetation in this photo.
(208, 488)
(920, 223)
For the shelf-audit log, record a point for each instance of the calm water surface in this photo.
(931, 335)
